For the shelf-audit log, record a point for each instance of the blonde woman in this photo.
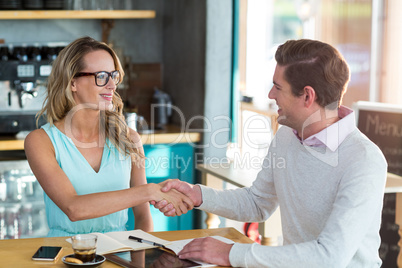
(88, 162)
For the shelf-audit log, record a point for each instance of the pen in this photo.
(146, 241)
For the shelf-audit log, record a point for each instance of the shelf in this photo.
(260, 108)
(11, 144)
(76, 14)
(171, 135)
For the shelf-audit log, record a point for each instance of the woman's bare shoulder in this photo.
(135, 137)
(37, 138)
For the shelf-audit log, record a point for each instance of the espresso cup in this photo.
(84, 247)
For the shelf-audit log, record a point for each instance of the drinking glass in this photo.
(84, 247)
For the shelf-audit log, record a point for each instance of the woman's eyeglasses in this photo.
(102, 77)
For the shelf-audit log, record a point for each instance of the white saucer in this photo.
(99, 259)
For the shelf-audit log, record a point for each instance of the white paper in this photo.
(119, 241)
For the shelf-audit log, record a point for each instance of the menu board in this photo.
(389, 248)
(382, 124)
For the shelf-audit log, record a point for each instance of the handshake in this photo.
(176, 197)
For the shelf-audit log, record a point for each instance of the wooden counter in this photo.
(76, 14)
(18, 252)
(172, 134)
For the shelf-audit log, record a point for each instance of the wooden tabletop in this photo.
(18, 252)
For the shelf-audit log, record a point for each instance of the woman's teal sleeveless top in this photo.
(114, 174)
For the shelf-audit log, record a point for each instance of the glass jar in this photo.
(3, 189)
(13, 221)
(3, 226)
(27, 225)
(14, 185)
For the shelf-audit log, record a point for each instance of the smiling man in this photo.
(330, 190)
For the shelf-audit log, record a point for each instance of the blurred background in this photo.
(194, 66)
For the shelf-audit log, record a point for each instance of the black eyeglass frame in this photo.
(109, 74)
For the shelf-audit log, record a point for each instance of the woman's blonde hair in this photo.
(59, 100)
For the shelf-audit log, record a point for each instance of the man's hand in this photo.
(190, 190)
(207, 249)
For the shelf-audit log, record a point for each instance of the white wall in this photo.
(218, 76)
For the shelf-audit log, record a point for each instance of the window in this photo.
(366, 32)
(264, 24)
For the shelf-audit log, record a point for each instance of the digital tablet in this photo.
(149, 258)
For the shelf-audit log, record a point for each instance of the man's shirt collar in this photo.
(334, 134)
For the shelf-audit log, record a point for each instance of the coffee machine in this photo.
(23, 73)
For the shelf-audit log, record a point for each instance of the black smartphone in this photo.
(47, 253)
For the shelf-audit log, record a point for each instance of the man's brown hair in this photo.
(316, 64)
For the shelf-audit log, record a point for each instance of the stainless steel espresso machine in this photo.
(23, 73)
